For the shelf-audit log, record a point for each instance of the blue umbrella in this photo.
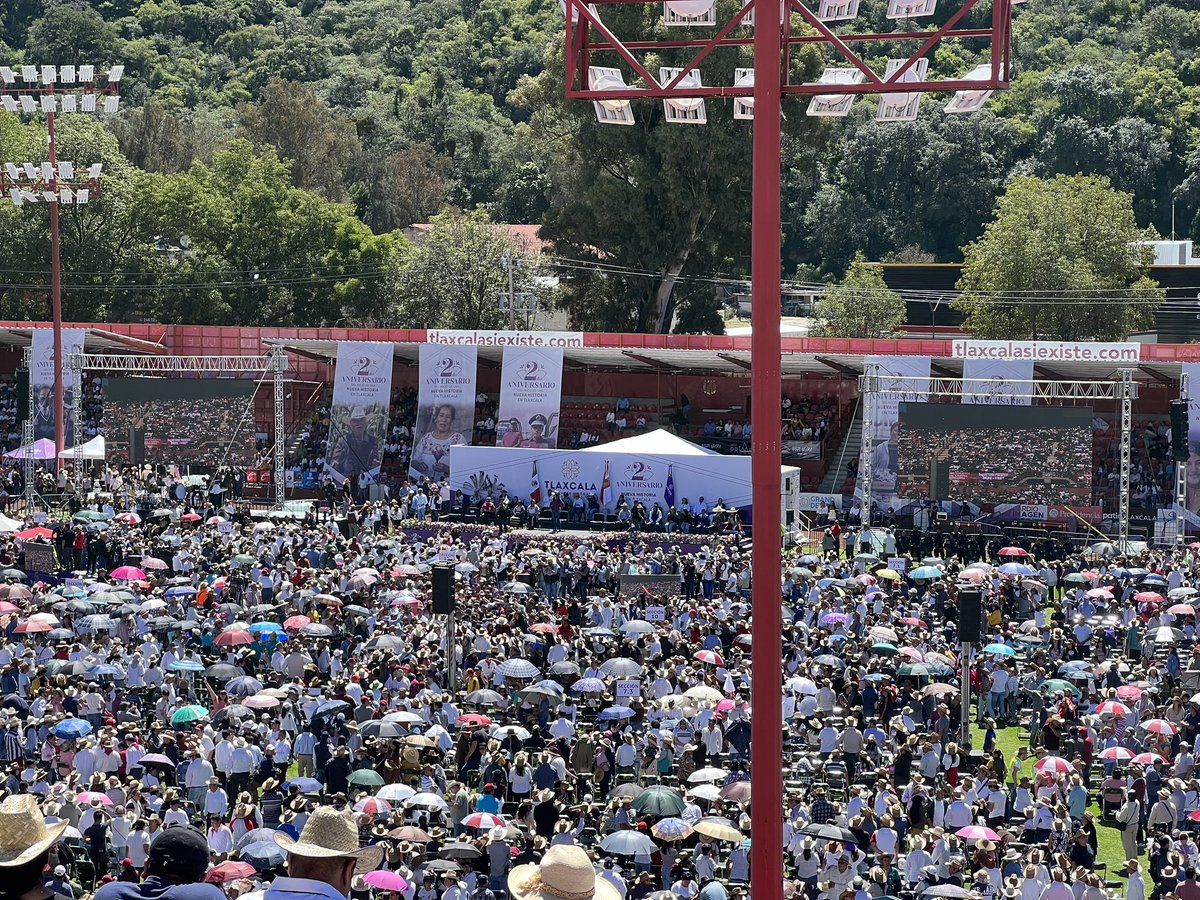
(266, 628)
(105, 670)
(71, 728)
(1016, 569)
(263, 854)
(1000, 650)
(305, 785)
(616, 712)
(926, 572)
(180, 591)
(1154, 579)
(186, 665)
(243, 685)
(590, 686)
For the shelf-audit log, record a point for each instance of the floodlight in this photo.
(683, 110)
(15, 195)
(66, 171)
(610, 112)
(47, 171)
(834, 104)
(70, 103)
(743, 107)
(28, 104)
(32, 172)
(10, 103)
(66, 74)
(115, 74)
(29, 74)
(971, 101)
(88, 103)
(49, 103)
(29, 196)
(910, 9)
(110, 103)
(837, 10)
(7, 75)
(93, 171)
(50, 196)
(65, 195)
(683, 13)
(10, 169)
(87, 74)
(81, 195)
(902, 107)
(49, 74)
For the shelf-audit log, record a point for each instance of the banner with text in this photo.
(1047, 351)
(1192, 373)
(41, 378)
(477, 338)
(445, 408)
(530, 395)
(906, 378)
(358, 419)
(997, 382)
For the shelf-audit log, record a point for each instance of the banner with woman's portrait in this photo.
(358, 419)
(445, 408)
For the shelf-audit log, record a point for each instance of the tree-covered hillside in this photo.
(286, 143)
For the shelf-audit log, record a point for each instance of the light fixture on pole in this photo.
(613, 72)
(48, 90)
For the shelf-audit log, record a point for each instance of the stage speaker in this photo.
(443, 590)
(1179, 430)
(970, 615)
(345, 526)
(22, 395)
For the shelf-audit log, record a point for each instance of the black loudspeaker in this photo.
(22, 395)
(345, 526)
(970, 615)
(443, 590)
(1179, 430)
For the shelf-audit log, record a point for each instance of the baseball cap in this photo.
(180, 854)
(60, 871)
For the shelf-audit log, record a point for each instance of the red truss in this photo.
(588, 35)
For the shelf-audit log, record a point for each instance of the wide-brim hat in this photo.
(24, 834)
(329, 834)
(565, 873)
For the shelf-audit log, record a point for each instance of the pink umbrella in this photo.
(1100, 593)
(1012, 551)
(1116, 754)
(1129, 692)
(1112, 708)
(1148, 597)
(261, 701)
(153, 562)
(484, 820)
(1182, 609)
(1054, 764)
(1160, 726)
(1194, 815)
(128, 573)
(912, 653)
(373, 806)
(972, 574)
(707, 656)
(86, 798)
(977, 833)
(386, 881)
(295, 623)
(1148, 759)
(725, 705)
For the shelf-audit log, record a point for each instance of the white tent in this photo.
(8, 526)
(93, 449)
(652, 443)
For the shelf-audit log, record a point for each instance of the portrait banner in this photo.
(997, 382)
(358, 418)
(445, 408)
(41, 378)
(1192, 470)
(530, 396)
(905, 379)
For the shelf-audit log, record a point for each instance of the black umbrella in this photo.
(830, 833)
(233, 711)
(65, 667)
(12, 701)
(388, 731)
(223, 671)
(564, 667)
(13, 575)
(459, 851)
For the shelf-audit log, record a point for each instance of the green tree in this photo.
(454, 276)
(860, 306)
(1061, 260)
(73, 34)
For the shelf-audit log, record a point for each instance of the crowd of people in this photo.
(199, 702)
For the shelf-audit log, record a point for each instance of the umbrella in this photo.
(1182, 609)
(373, 806)
(516, 587)
(1014, 569)
(658, 801)
(671, 829)
(709, 773)
(940, 688)
(233, 638)
(1057, 684)
(1112, 708)
(628, 842)
(1013, 551)
(829, 833)
(229, 871)
(621, 667)
(86, 798)
(425, 798)
(261, 701)
(483, 820)
(388, 731)
(386, 881)
(708, 657)
(977, 833)
(615, 713)
(705, 792)
(1166, 635)
(703, 693)
(1000, 650)
(737, 791)
(395, 793)
(515, 731)
(950, 891)
(564, 667)
(518, 668)
(926, 572)
(410, 833)
(330, 706)
(127, 573)
(316, 629)
(828, 659)
(262, 854)
(242, 685)
(638, 626)
(1055, 764)
(71, 728)
(718, 828)
(1148, 759)
(913, 670)
(186, 715)
(485, 697)
(304, 785)
(1160, 726)
(1116, 754)
(191, 665)
(478, 720)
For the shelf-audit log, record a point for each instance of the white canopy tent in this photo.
(93, 449)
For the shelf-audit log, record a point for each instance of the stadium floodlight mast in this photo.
(613, 73)
(48, 90)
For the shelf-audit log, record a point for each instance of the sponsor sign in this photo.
(818, 502)
(480, 338)
(1047, 351)
(445, 408)
(997, 382)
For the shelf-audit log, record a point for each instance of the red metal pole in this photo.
(56, 299)
(766, 862)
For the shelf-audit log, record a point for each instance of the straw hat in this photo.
(329, 834)
(24, 834)
(565, 873)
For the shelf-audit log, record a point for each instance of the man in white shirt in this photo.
(216, 801)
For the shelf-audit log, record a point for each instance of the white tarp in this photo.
(655, 443)
(93, 449)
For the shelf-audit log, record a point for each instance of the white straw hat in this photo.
(24, 834)
(329, 834)
(565, 873)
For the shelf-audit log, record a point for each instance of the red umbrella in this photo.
(6, 607)
(914, 622)
(30, 534)
(233, 638)
(544, 628)
(707, 656)
(1013, 551)
(1148, 597)
(189, 517)
(33, 626)
(228, 871)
